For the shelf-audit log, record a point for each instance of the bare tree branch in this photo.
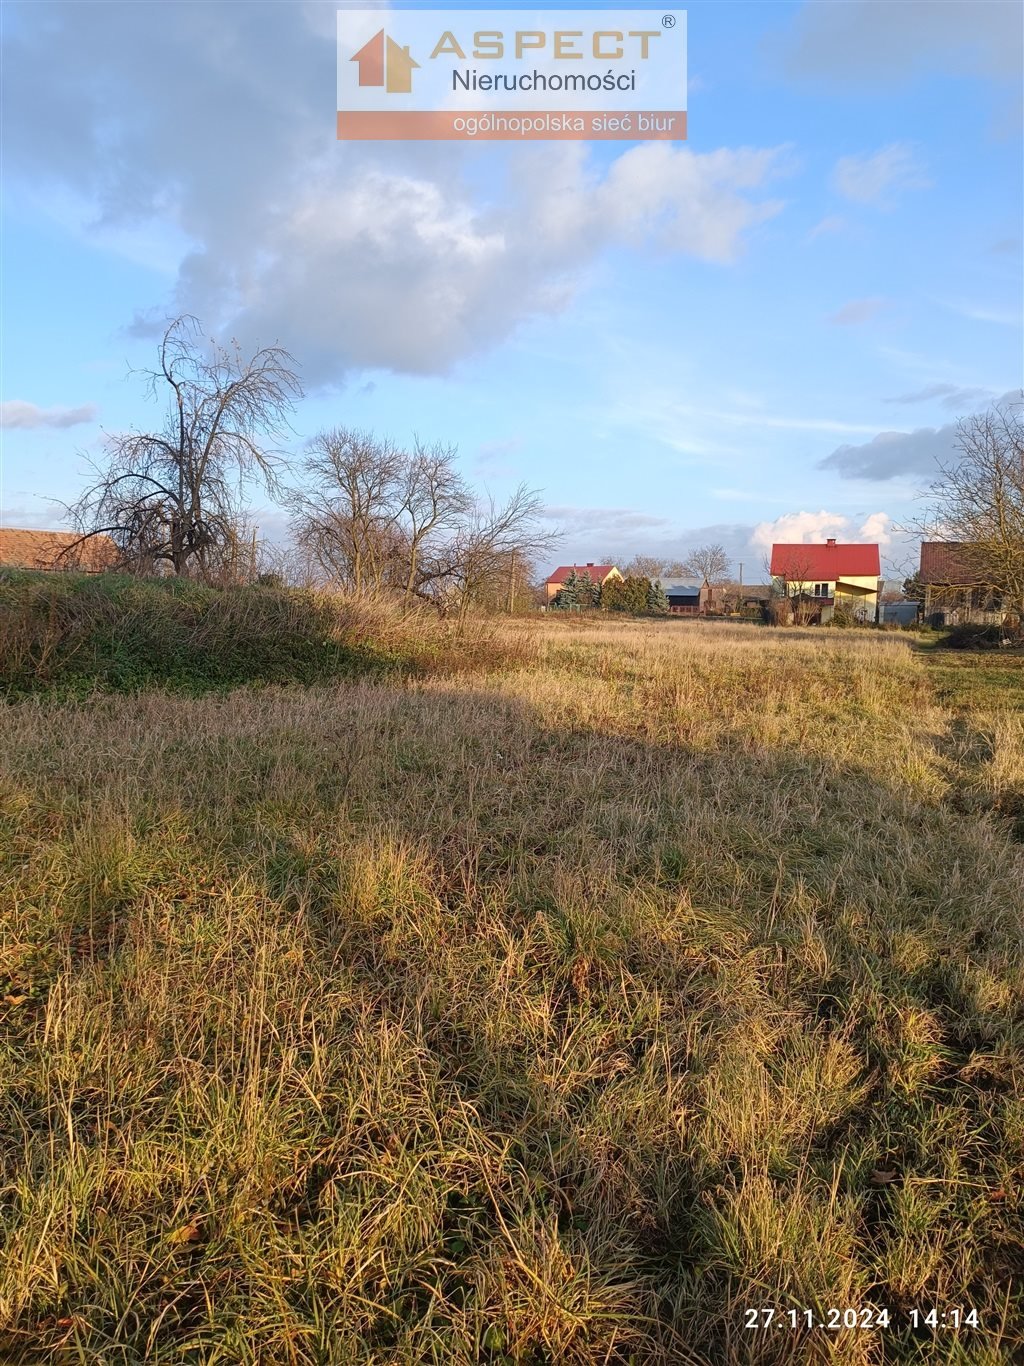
(978, 502)
(373, 516)
(171, 498)
(708, 562)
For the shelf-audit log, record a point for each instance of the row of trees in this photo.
(635, 594)
(374, 516)
(704, 562)
(366, 514)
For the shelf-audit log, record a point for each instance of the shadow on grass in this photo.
(66, 636)
(618, 1041)
(809, 981)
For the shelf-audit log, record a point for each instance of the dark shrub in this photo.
(973, 637)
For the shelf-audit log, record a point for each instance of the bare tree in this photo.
(796, 572)
(346, 516)
(708, 562)
(374, 516)
(644, 567)
(480, 559)
(434, 499)
(287, 565)
(173, 498)
(978, 501)
(369, 511)
(236, 558)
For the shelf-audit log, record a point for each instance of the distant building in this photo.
(688, 599)
(828, 576)
(749, 596)
(684, 599)
(597, 573)
(694, 599)
(55, 550)
(900, 613)
(955, 590)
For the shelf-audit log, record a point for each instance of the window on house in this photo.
(821, 590)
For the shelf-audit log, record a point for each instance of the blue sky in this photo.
(765, 332)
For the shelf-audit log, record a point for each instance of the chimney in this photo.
(831, 541)
(590, 564)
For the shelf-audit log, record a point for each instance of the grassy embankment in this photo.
(71, 635)
(559, 1012)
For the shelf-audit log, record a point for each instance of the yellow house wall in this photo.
(862, 588)
(852, 587)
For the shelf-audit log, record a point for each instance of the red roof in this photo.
(55, 550)
(951, 562)
(598, 572)
(825, 563)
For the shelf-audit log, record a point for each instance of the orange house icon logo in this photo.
(383, 62)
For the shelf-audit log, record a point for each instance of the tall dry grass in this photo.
(555, 1014)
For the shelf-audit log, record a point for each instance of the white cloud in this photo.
(617, 534)
(799, 528)
(603, 521)
(36, 513)
(684, 201)
(877, 528)
(874, 177)
(812, 528)
(409, 273)
(351, 255)
(794, 424)
(16, 413)
(857, 311)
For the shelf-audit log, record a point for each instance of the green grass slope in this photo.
(76, 633)
(73, 634)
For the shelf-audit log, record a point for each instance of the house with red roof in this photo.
(24, 549)
(957, 586)
(596, 573)
(824, 577)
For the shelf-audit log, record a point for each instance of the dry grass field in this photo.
(558, 1012)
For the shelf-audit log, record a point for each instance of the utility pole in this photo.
(741, 573)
